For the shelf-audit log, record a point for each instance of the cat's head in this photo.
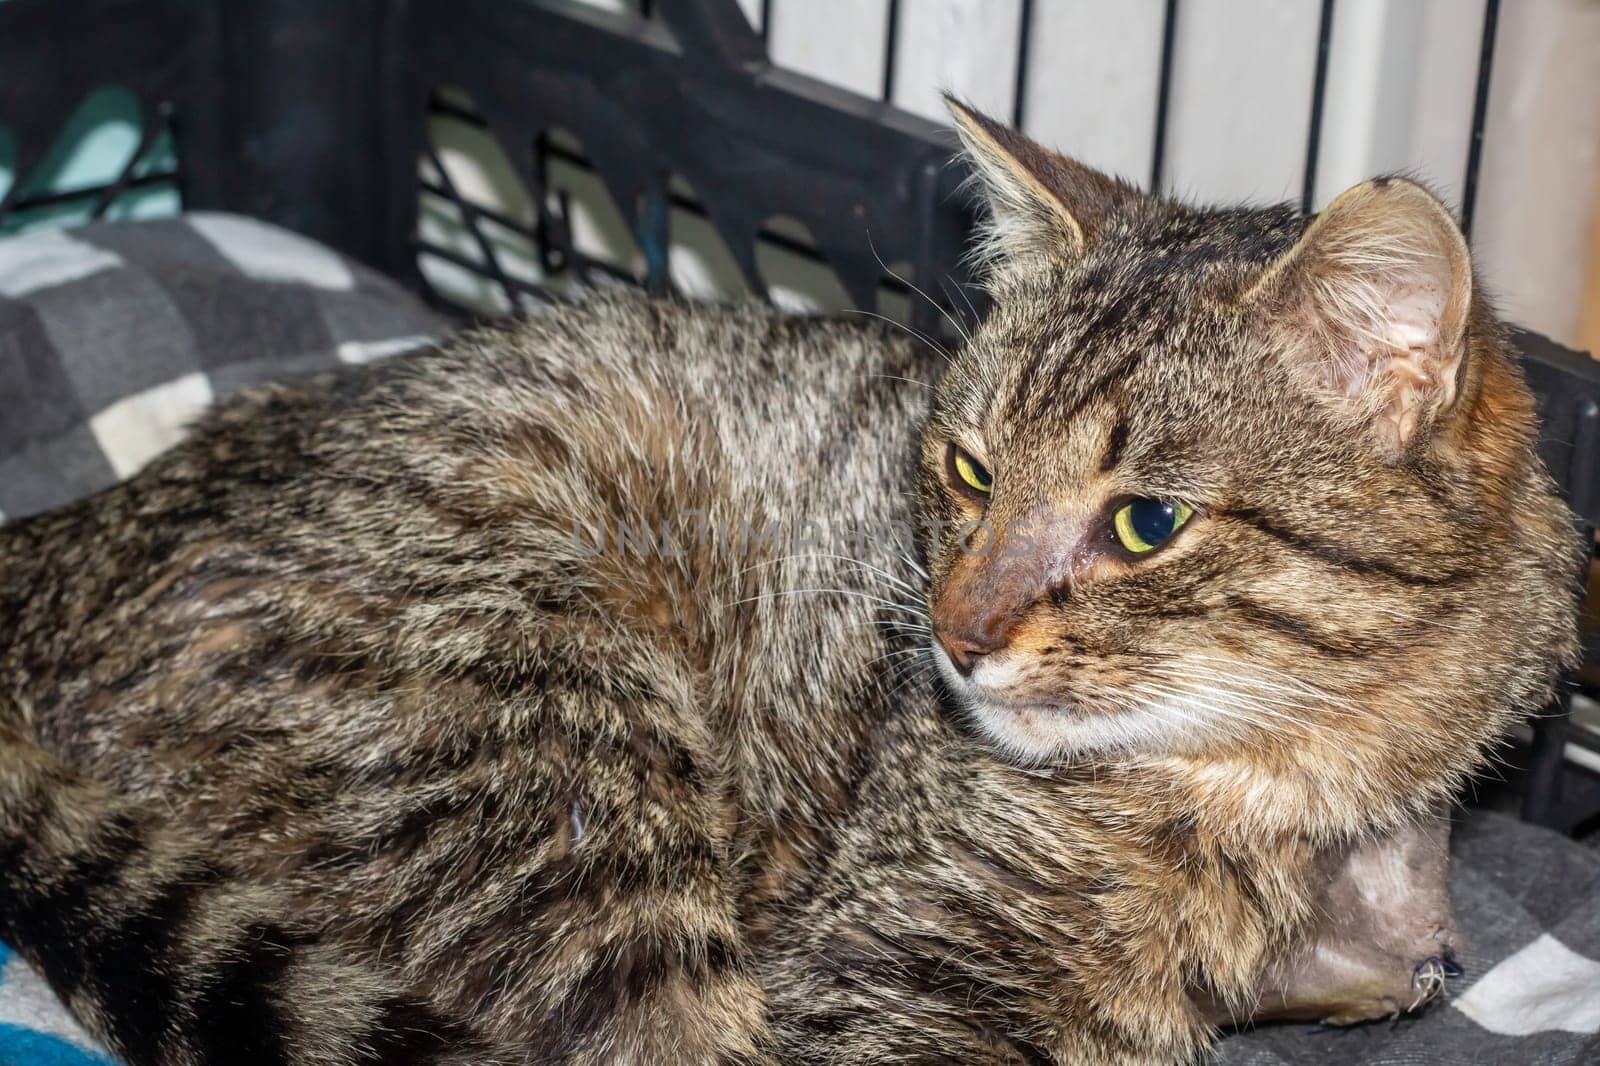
(1224, 477)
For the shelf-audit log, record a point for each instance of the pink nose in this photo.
(967, 643)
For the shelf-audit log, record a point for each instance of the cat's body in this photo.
(383, 664)
(386, 755)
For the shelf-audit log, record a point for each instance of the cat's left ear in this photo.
(1041, 202)
(1371, 307)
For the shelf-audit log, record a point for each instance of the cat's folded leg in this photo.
(585, 913)
(173, 960)
(169, 960)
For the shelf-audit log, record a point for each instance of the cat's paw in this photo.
(1429, 978)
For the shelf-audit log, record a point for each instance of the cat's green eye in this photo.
(1145, 524)
(973, 474)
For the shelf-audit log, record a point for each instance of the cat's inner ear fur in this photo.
(1040, 202)
(1371, 307)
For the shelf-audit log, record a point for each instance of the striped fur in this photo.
(172, 958)
(376, 670)
(332, 735)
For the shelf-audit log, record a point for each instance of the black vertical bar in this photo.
(1024, 39)
(555, 239)
(1480, 115)
(1319, 87)
(1169, 37)
(399, 129)
(893, 31)
(931, 195)
(1585, 451)
(1546, 761)
(766, 20)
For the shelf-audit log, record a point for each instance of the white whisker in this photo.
(909, 381)
(960, 329)
(887, 604)
(918, 334)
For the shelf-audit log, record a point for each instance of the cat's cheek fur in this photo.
(1042, 734)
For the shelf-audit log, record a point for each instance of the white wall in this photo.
(1541, 157)
(1399, 97)
(1093, 76)
(1241, 99)
(1402, 75)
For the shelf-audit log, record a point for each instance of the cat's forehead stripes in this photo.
(1116, 441)
(1152, 295)
(1098, 339)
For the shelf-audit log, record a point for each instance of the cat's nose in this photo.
(964, 655)
(966, 644)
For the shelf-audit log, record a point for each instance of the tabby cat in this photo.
(503, 704)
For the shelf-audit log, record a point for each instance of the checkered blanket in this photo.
(1527, 903)
(113, 337)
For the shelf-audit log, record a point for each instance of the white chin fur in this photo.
(1033, 735)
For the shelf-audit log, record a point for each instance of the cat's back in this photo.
(618, 482)
(434, 649)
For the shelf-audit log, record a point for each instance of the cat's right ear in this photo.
(1042, 204)
(1370, 307)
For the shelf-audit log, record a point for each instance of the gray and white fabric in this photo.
(1527, 903)
(114, 336)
